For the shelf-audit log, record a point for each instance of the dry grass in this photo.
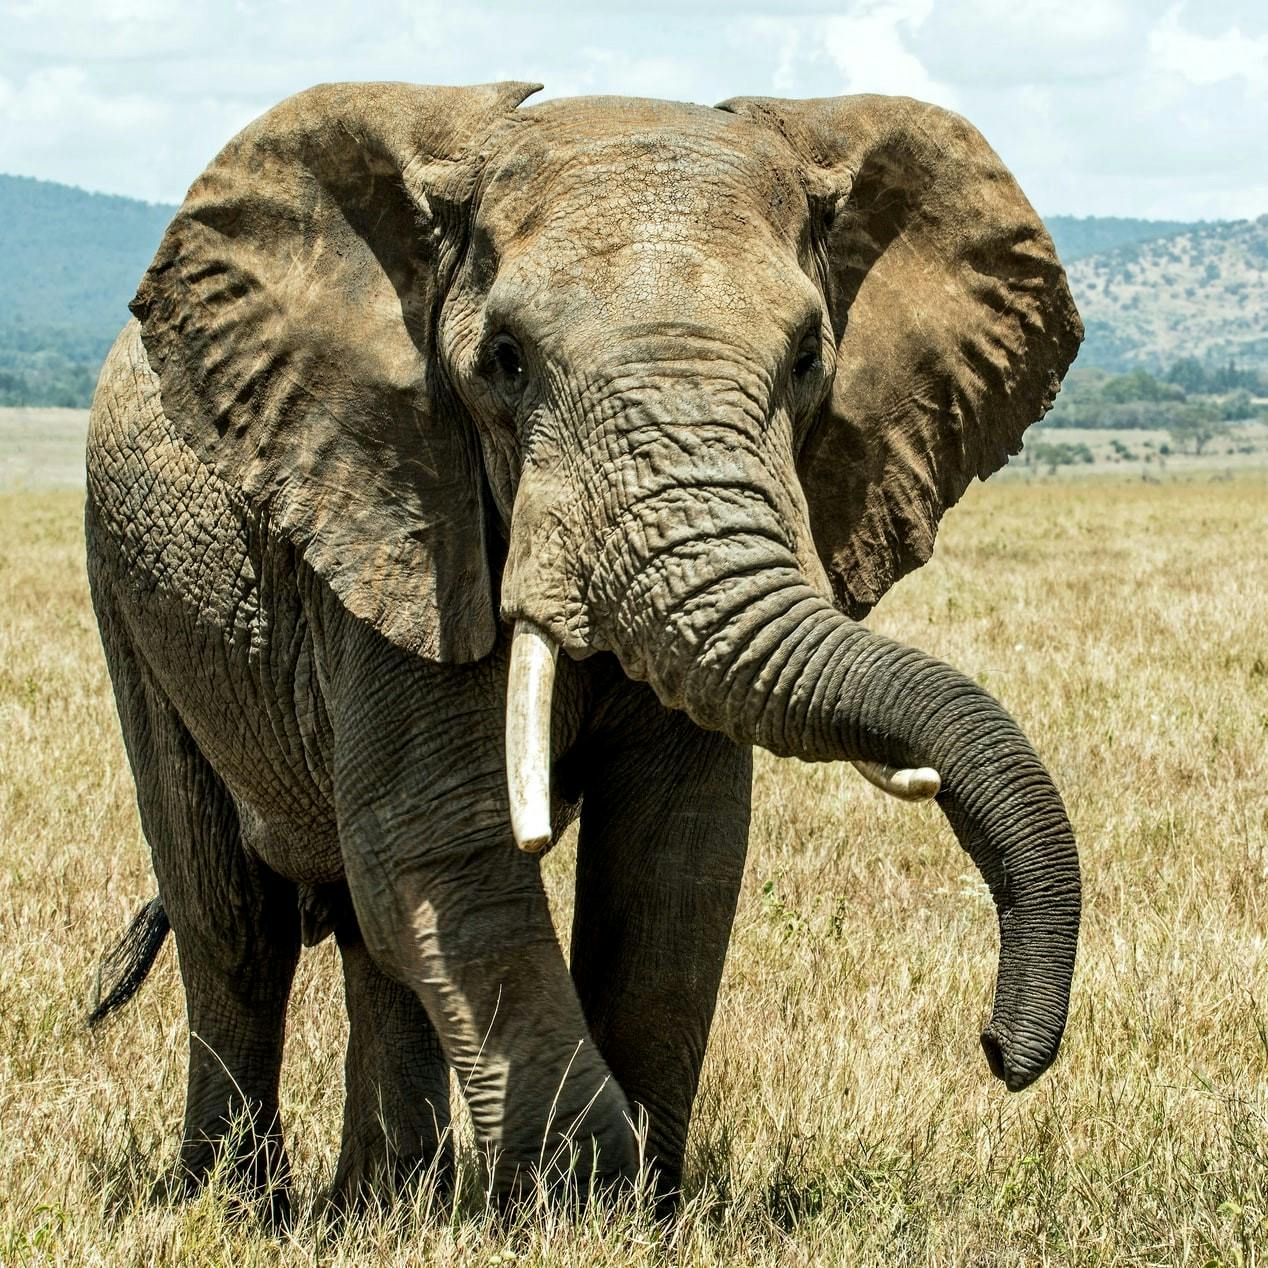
(846, 1115)
(42, 448)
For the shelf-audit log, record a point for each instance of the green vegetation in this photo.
(50, 365)
(1195, 403)
(69, 264)
(71, 259)
(1206, 380)
(1057, 455)
(1199, 294)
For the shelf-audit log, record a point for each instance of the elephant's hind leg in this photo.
(237, 983)
(237, 934)
(396, 1112)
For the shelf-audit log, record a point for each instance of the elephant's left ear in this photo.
(953, 319)
(290, 314)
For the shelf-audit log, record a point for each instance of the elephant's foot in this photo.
(374, 1171)
(249, 1164)
(591, 1154)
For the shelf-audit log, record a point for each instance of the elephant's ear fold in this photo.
(290, 314)
(953, 319)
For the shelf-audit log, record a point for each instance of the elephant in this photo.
(425, 385)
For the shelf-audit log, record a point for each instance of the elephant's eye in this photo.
(506, 357)
(805, 364)
(503, 364)
(808, 359)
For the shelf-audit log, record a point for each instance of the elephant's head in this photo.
(690, 385)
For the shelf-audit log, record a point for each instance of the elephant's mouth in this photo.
(528, 702)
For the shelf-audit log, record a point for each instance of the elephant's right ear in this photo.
(290, 314)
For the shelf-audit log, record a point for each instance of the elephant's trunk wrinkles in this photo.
(730, 632)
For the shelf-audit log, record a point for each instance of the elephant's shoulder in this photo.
(163, 514)
(131, 440)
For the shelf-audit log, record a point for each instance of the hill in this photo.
(1202, 293)
(69, 264)
(1080, 236)
(1150, 290)
(71, 257)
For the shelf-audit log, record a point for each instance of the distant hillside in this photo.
(1202, 293)
(69, 263)
(71, 257)
(1150, 291)
(1080, 236)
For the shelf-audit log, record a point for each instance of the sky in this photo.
(1105, 107)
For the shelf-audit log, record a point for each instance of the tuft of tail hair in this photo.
(127, 963)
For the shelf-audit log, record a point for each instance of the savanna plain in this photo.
(846, 1115)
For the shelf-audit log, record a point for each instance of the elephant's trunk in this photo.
(687, 554)
(730, 631)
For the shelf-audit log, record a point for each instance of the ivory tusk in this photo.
(528, 696)
(918, 784)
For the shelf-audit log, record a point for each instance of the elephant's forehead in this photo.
(610, 171)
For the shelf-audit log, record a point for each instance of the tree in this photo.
(1237, 406)
(1058, 455)
(1196, 424)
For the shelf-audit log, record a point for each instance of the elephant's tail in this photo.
(124, 968)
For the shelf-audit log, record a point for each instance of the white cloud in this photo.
(1118, 106)
(1209, 59)
(870, 47)
(999, 44)
(1122, 109)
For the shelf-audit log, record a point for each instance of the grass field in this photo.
(846, 1115)
(42, 449)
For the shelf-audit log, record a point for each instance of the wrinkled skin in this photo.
(686, 388)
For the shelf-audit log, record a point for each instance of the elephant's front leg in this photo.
(447, 904)
(396, 1108)
(664, 831)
